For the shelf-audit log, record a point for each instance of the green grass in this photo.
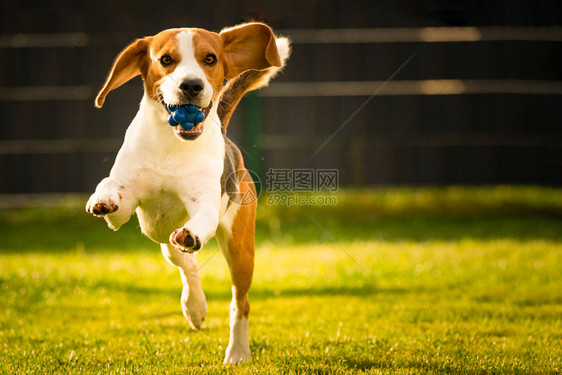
(397, 280)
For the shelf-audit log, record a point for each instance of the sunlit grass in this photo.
(398, 288)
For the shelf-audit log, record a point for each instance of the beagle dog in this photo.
(187, 186)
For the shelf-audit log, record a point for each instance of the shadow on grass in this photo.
(418, 228)
(330, 291)
(70, 235)
(93, 237)
(257, 293)
(396, 215)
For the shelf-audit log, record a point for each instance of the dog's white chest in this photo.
(167, 176)
(161, 215)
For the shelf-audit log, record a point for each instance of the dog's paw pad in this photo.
(100, 209)
(185, 241)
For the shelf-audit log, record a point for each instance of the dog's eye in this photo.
(166, 60)
(210, 59)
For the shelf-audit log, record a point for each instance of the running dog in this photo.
(186, 186)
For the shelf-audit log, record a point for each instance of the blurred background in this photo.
(387, 92)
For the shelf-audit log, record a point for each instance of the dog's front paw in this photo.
(185, 241)
(100, 205)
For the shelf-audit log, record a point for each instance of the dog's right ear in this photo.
(131, 62)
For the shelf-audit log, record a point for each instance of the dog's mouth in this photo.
(197, 130)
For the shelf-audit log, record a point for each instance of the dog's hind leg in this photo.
(237, 244)
(193, 302)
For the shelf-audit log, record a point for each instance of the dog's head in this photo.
(189, 66)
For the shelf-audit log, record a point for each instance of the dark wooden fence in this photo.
(473, 105)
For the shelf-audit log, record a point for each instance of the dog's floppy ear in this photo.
(131, 62)
(249, 46)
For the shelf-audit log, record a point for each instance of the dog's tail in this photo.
(234, 90)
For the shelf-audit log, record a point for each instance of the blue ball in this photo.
(187, 126)
(199, 117)
(171, 121)
(180, 115)
(191, 109)
(187, 116)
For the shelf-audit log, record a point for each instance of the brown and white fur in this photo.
(186, 186)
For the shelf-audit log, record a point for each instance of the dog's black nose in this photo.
(191, 87)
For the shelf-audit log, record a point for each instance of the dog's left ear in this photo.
(249, 47)
(130, 63)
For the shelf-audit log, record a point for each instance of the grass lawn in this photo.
(400, 281)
